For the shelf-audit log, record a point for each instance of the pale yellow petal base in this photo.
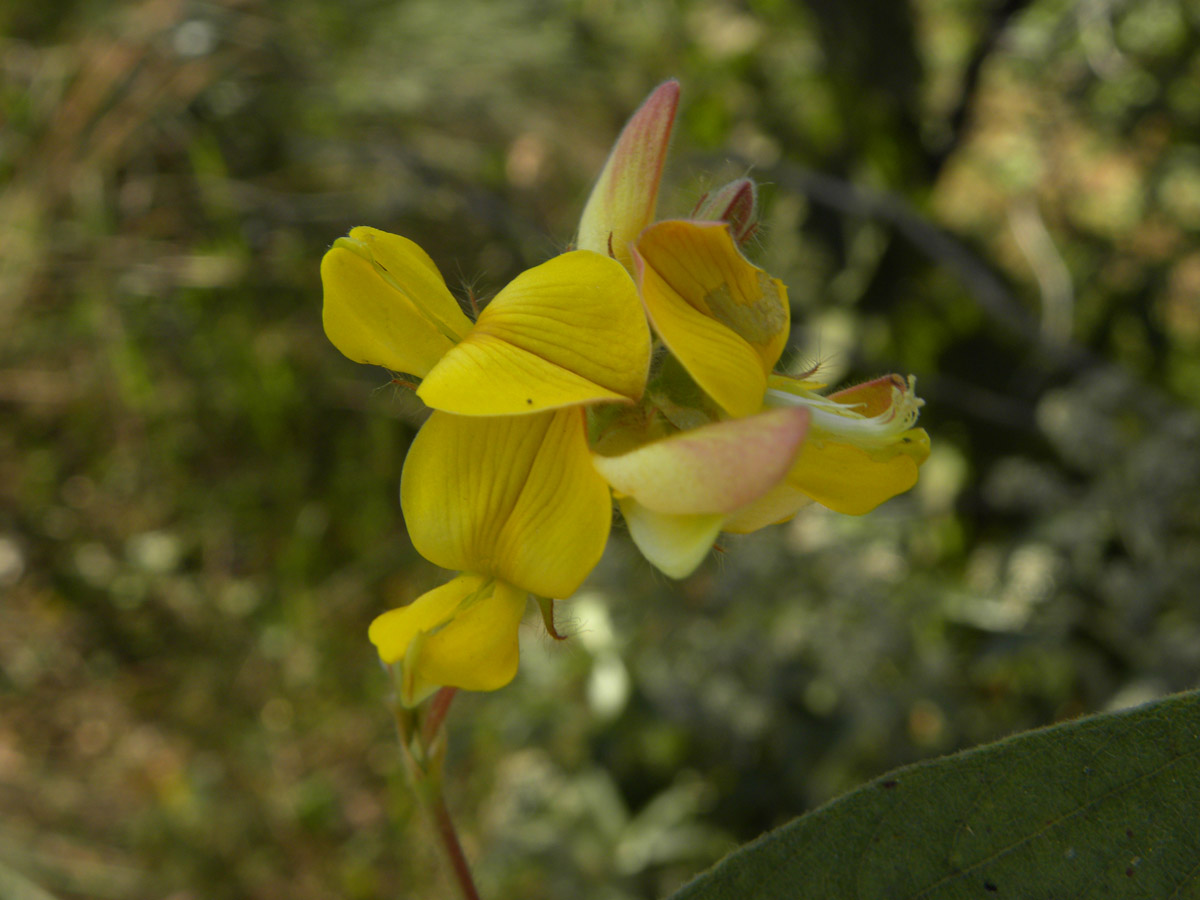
(675, 545)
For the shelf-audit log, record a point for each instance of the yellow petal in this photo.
(515, 497)
(567, 332)
(623, 200)
(462, 634)
(777, 505)
(477, 651)
(392, 632)
(723, 318)
(386, 304)
(675, 545)
(701, 263)
(713, 469)
(406, 264)
(724, 365)
(851, 480)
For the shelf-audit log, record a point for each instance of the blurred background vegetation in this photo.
(198, 511)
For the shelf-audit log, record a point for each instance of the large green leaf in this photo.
(1104, 807)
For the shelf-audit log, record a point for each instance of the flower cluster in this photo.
(557, 399)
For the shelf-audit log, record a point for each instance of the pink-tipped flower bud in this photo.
(623, 200)
(735, 203)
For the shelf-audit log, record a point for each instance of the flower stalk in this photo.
(423, 748)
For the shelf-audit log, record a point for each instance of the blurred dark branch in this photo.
(996, 26)
(983, 283)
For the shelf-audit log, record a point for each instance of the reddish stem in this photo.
(438, 707)
(449, 837)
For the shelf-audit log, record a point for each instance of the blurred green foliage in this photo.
(198, 512)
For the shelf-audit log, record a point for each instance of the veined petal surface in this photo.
(568, 332)
(386, 304)
(713, 469)
(515, 497)
(623, 200)
(462, 634)
(674, 544)
(724, 319)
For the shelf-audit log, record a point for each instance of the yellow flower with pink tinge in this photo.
(556, 400)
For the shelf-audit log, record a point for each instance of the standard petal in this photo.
(386, 304)
(515, 497)
(462, 634)
(851, 480)
(723, 318)
(622, 202)
(713, 469)
(675, 545)
(567, 332)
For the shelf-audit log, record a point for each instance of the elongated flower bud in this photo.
(625, 196)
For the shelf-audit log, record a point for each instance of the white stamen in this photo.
(842, 420)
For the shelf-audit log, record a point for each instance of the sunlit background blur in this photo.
(198, 493)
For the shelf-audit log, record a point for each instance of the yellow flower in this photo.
(677, 492)
(498, 484)
(542, 406)
(771, 442)
(749, 447)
